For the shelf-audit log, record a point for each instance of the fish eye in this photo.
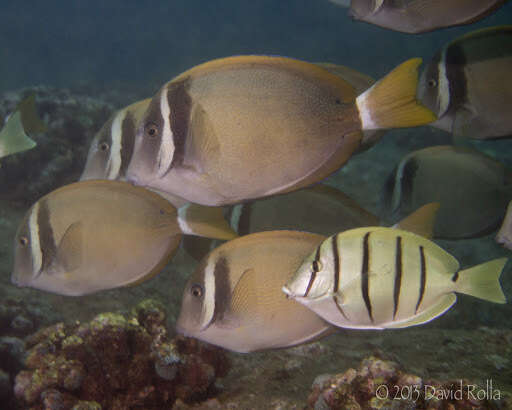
(317, 266)
(23, 241)
(104, 146)
(432, 83)
(151, 130)
(196, 290)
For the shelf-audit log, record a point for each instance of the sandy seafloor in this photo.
(467, 342)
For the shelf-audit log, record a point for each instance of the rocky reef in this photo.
(72, 118)
(116, 361)
(382, 384)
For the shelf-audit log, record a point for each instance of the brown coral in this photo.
(117, 362)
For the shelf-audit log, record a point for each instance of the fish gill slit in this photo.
(365, 280)
(398, 275)
(423, 278)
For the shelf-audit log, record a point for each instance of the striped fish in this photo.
(94, 235)
(467, 84)
(375, 278)
(247, 127)
(112, 147)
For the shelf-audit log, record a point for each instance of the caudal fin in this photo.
(482, 281)
(391, 102)
(13, 138)
(207, 221)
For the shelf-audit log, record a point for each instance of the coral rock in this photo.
(117, 362)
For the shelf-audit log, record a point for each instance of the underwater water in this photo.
(83, 60)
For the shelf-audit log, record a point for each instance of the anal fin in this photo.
(445, 303)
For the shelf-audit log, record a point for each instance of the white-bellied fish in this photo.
(467, 84)
(94, 235)
(419, 16)
(112, 147)
(246, 127)
(472, 188)
(23, 121)
(376, 278)
(234, 298)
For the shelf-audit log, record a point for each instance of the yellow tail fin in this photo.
(207, 221)
(482, 281)
(391, 102)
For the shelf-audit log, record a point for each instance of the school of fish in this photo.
(235, 150)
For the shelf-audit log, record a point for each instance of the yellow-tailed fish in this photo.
(246, 127)
(419, 16)
(376, 278)
(361, 82)
(467, 84)
(23, 121)
(472, 188)
(234, 298)
(95, 235)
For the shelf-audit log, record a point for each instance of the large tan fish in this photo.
(376, 278)
(467, 84)
(246, 127)
(95, 235)
(472, 188)
(234, 298)
(419, 16)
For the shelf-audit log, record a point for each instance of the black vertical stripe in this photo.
(180, 106)
(313, 271)
(127, 142)
(423, 278)
(365, 285)
(335, 300)
(46, 235)
(222, 288)
(336, 257)
(398, 275)
(455, 64)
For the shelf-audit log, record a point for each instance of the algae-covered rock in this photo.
(117, 361)
(382, 384)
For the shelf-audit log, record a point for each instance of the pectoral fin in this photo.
(244, 306)
(70, 252)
